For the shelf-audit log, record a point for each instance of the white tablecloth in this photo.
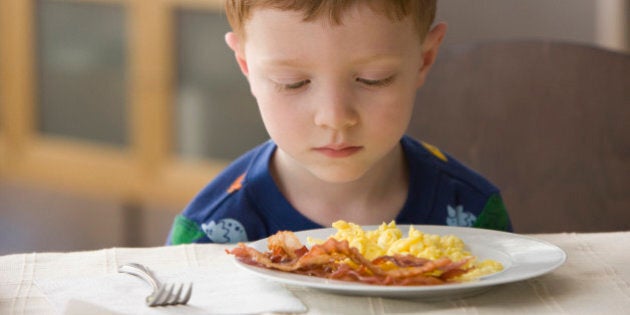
(594, 280)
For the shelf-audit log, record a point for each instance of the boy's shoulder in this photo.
(242, 203)
(232, 178)
(205, 219)
(454, 193)
(425, 155)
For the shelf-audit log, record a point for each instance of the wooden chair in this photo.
(547, 122)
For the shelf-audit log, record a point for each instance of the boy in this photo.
(335, 83)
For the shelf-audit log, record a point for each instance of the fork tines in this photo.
(162, 294)
(166, 295)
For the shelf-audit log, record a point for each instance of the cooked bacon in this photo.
(286, 244)
(401, 260)
(335, 259)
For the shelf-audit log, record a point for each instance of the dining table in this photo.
(594, 279)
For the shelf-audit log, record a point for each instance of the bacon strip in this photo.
(335, 259)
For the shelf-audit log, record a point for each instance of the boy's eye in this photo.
(296, 85)
(382, 82)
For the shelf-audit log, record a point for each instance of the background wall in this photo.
(603, 23)
(35, 218)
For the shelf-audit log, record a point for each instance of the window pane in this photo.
(82, 75)
(216, 115)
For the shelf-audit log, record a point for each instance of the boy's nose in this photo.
(336, 111)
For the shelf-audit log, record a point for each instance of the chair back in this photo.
(547, 122)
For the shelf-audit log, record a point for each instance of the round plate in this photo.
(523, 257)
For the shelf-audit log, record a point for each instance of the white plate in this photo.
(522, 257)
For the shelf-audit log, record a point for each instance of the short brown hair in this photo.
(422, 11)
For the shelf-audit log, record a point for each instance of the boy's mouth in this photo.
(338, 151)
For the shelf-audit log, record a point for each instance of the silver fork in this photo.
(163, 294)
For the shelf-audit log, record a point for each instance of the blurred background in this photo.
(115, 113)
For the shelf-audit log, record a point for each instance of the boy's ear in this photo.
(234, 43)
(430, 49)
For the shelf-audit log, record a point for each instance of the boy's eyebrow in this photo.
(293, 62)
(283, 62)
(384, 58)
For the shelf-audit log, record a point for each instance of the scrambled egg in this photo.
(389, 240)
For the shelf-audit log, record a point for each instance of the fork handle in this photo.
(141, 272)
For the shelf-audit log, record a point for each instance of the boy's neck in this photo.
(376, 197)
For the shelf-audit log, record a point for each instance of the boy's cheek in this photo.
(256, 86)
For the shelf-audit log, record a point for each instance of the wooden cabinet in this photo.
(62, 76)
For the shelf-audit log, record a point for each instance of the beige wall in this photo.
(602, 22)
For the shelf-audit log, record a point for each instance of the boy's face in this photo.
(335, 98)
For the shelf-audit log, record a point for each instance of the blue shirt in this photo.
(244, 203)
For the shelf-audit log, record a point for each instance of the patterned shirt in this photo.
(244, 203)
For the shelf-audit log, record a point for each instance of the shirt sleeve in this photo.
(184, 231)
(494, 215)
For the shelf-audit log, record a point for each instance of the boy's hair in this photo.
(421, 11)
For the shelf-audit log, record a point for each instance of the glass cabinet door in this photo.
(82, 71)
